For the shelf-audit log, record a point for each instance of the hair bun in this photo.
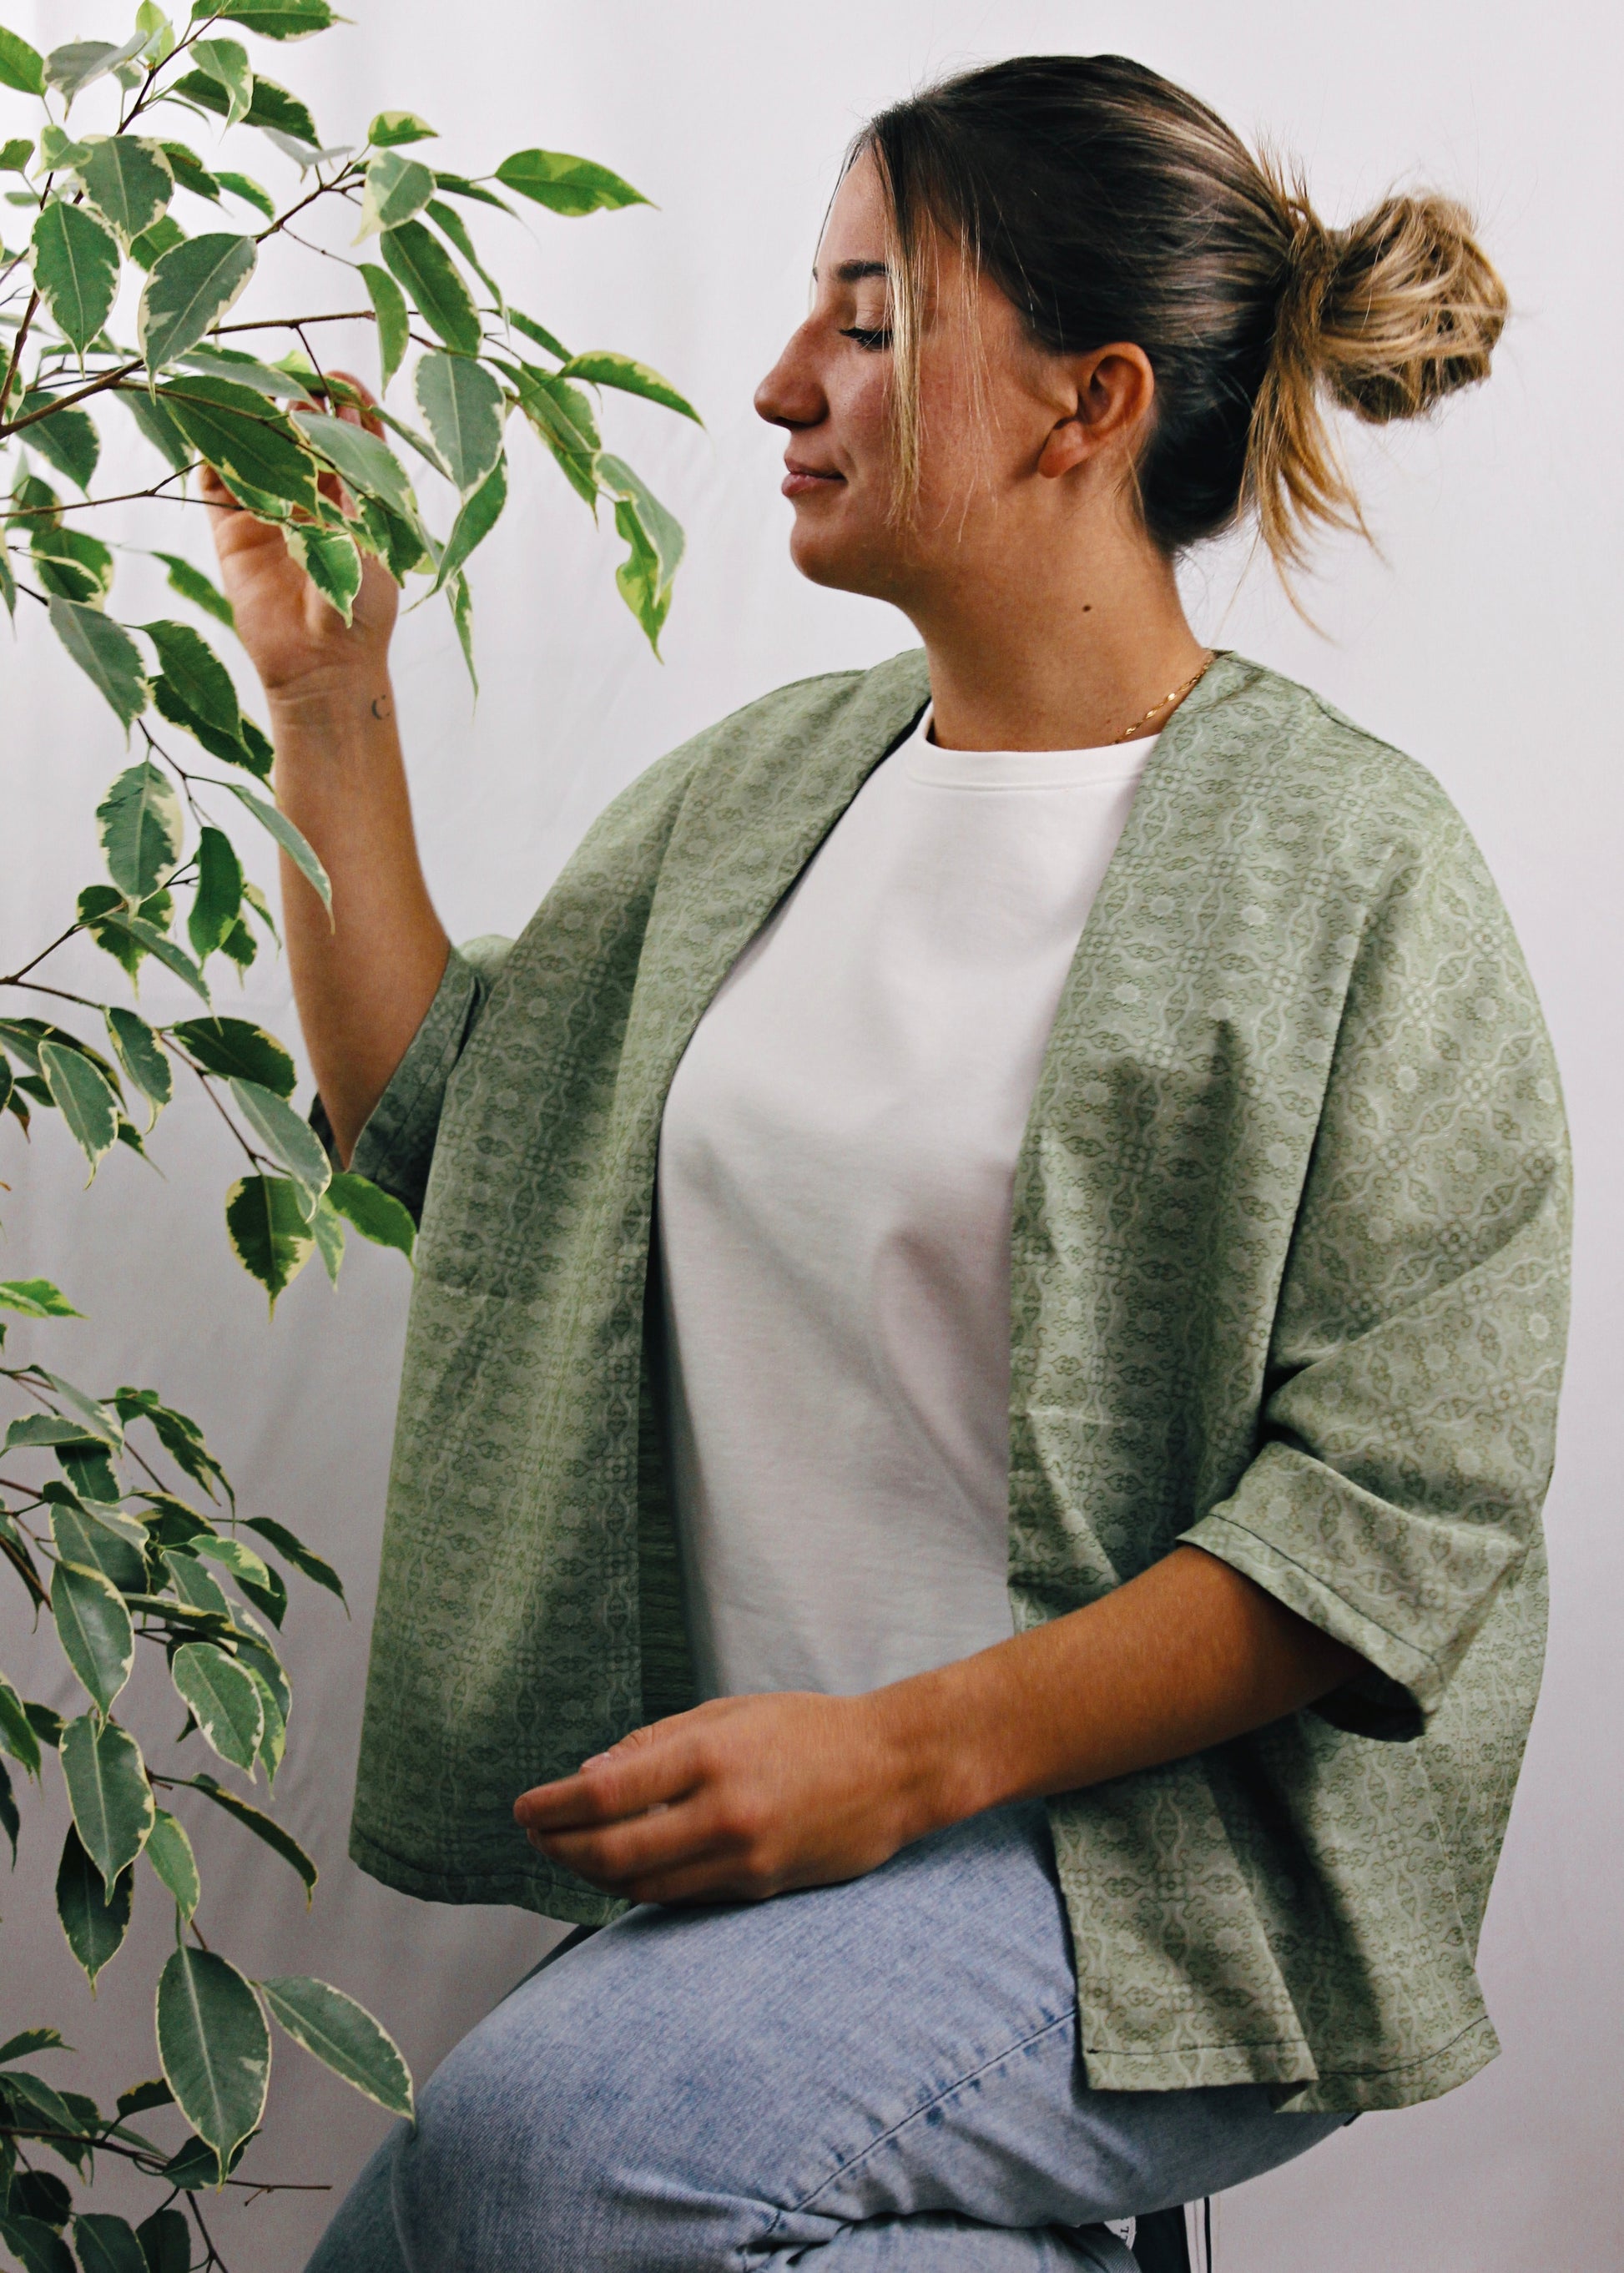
(1386, 317)
(1411, 308)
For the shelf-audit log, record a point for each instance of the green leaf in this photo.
(148, 250)
(189, 172)
(245, 186)
(273, 1743)
(95, 1926)
(566, 185)
(226, 63)
(477, 518)
(21, 66)
(76, 66)
(71, 562)
(196, 1587)
(88, 1412)
(263, 1826)
(198, 676)
(60, 151)
(107, 2244)
(28, 2041)
(141, 829)
(256, 450)
(278, 20)
(266, 379)
(47, 1725)
(157, 427)
(169, 1850)
(292, 1547)
(601, 368)
(129, 180)
(328, 1227)
(394, 323)
(267, 1227)
(218, 899)
(17, 1738)
(272, 819)
(189, 290)
(158, 945)
(254, 1649)
(166, 2236)
(463, 405)
(88, 1470)
(76, 269)
(329, 558)
(10, 1821)
(34, 2244)
(462, 605)
(105, 652)
(36, 1298)
(15, 154)
(344, 2035)
(367, 464)
(142, 2096)
(391, 127)
(66, 438)
(232, 750)
(457, 186)
(453, 227)
(644, 578)
(142, 1056)
(214, 2046)
(234, 1048)
(90, 1544)
(419, 262)
(193, 585)
(561, 415)
(376, 1214)
(396, 189)
(224, 1702)
(93, 1627)
(181, 1437)
(88, 1104)
(289, 1135)
(8, 580)
(272, 107)
(108, 1790)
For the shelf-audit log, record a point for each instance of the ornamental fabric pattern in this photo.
(1288, 1280)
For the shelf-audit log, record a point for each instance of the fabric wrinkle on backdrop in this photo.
(1474, 646)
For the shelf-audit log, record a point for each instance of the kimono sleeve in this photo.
(397, 1144)
(1409, 1421)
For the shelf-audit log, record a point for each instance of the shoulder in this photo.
(1301, 743)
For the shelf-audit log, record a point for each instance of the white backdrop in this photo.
(1483, 642)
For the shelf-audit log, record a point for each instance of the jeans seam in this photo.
(850, 2162)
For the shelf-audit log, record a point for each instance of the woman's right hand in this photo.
(296, 640)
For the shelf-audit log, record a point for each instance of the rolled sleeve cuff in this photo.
(395, 1147)
(1406, 1591)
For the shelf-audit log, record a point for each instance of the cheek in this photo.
(860, 411)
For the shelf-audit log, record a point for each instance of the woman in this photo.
(1017, 1554)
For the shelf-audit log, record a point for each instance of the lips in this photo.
(804, 481)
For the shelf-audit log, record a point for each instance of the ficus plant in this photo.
(124, 290)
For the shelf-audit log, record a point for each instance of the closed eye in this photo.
(872, 341)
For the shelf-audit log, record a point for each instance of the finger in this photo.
(624, 1782)
(622, 1855)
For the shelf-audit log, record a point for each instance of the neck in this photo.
(1067, 657)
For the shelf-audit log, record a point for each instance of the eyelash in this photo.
(871, 340)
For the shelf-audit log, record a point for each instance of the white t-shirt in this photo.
(836, 1175)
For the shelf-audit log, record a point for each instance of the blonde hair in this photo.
(1108, 203)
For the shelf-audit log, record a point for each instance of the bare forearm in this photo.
(1188, 1655)
(363, 981)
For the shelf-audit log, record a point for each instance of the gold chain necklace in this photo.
(1168, 701)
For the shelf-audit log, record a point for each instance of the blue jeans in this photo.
(879, 2077)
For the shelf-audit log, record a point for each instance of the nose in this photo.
(792, 394)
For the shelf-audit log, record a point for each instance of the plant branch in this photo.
(17, 349)
(97, 385)
(16, 977)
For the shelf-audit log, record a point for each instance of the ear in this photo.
(1115, 388)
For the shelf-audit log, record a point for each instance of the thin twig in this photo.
(17, 349)
(16, 976)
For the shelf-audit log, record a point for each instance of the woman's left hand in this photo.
(744, 1797)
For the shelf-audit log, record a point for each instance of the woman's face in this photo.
(979, 489)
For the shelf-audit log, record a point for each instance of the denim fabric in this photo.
(874, 2077)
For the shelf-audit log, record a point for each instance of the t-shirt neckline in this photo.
(925, 761)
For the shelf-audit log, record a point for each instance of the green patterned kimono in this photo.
(1289, 1266)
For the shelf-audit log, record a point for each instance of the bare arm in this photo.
(363, 982)
(759, 1794)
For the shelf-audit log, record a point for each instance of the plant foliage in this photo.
(125, 254)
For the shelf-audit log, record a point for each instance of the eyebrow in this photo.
(854, 272)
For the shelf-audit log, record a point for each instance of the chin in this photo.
(834, 558)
